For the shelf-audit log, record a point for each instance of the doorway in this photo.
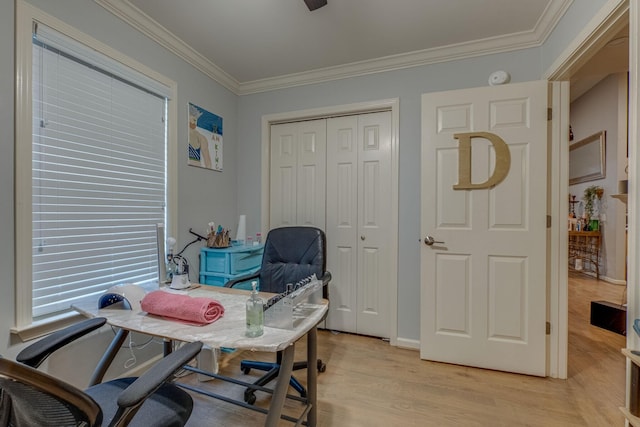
(597, 307)
(603, 28)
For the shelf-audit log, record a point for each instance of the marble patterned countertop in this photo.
(228, 331)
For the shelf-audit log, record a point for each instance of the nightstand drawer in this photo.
(242, 262)
(213, 279)
(215, 261)
(220, 279)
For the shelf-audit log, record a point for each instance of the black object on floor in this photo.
(609, 316)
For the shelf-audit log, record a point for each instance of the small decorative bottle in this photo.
(255, 313)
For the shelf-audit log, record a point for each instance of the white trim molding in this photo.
(516, 41)
(26, 14)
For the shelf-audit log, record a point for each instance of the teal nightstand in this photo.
(219, 265)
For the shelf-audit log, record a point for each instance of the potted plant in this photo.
(589, 198)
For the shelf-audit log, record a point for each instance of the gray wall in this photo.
(207, 195)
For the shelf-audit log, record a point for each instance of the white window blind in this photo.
(99, 174)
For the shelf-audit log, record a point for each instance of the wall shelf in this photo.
(621, 197)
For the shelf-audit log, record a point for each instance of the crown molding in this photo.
(534, 38)
(516, 41)
(152, 29)
(393, 62)
(550, 18)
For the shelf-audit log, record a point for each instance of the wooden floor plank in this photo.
(369, 383)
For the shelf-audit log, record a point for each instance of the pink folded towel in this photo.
(193, 310)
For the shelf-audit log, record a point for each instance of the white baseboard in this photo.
(408, 344)
(614, 281)
(605, 278)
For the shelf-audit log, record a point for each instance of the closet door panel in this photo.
(374, 217)
(297, 175)
(286, 207)
(312, 153)
(283, 175)
(342, 208)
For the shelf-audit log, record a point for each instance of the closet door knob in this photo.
(362, 237)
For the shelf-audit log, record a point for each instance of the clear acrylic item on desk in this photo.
(286, 310)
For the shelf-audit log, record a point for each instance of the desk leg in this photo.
(280, 392)
(108, 357)
(312, 376)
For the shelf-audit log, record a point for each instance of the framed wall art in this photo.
(587, 159)
(205, 138)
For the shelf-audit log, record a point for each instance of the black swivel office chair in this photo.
(290, 255)
(29, 397)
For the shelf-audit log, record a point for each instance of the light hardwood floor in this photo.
(369, 383)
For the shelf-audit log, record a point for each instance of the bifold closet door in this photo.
(358, 218)
(298, 174)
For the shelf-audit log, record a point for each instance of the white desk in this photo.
(227, 331)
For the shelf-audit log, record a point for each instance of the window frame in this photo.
(26, 15)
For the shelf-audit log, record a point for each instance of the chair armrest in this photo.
(160, 373)
(326, 278)
(36, 353)
(234, 282)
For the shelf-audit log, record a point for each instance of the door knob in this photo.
(430, 241)
(362, 238)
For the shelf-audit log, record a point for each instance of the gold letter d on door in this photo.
(503, 160)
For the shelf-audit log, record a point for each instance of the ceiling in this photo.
(256, 45)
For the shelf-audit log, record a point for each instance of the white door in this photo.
(297, 181)
(358, 218)
(483, 291)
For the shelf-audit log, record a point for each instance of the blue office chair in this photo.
(29, 397)
(290, 255)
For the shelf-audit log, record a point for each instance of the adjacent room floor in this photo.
(368, 383)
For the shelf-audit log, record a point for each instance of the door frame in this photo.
(391, 104)
(610, 19)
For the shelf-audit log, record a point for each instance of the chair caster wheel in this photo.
(321, 366)
(250, 397)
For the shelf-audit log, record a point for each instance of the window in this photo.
(98, 182)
